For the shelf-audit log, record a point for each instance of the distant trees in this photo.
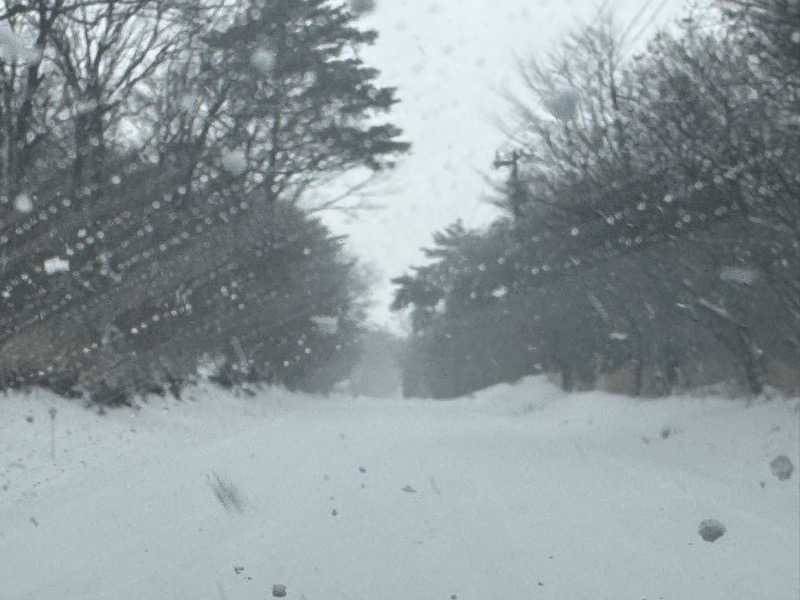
(652, 223)
(160, 224)
(377, 374)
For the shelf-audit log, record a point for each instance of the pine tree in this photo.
(293, 104)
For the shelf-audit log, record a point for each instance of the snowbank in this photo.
(520, 491)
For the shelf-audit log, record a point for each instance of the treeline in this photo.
(155, 155)
(651, 237)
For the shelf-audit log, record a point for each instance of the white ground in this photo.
(519, 492)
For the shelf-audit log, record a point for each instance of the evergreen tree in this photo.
(279, 101)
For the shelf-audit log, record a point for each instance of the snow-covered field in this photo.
(519, 492)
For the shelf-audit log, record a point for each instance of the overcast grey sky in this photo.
(451, 61)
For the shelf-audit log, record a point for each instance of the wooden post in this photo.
(52, 412)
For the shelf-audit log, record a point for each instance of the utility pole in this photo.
(516, 193)
(512, 161)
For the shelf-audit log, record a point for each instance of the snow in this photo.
(521, 491)
(327, 325)
(234, 162)
(85, 106)
(56, 264)
(13, 48)
(189, 102)
(740, 275)
(717, 309)
(263, 60)
(23, 203)
(500, 292)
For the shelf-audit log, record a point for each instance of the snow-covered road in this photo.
(520, 492)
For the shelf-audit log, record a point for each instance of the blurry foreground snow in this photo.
(234, 162)
(520, 492)
(739, 275)
(23, 203)
(327, 325)
(263, 60)
(56, 264)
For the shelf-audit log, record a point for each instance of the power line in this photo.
(650, 21)
(635, 20)
(601, 9)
